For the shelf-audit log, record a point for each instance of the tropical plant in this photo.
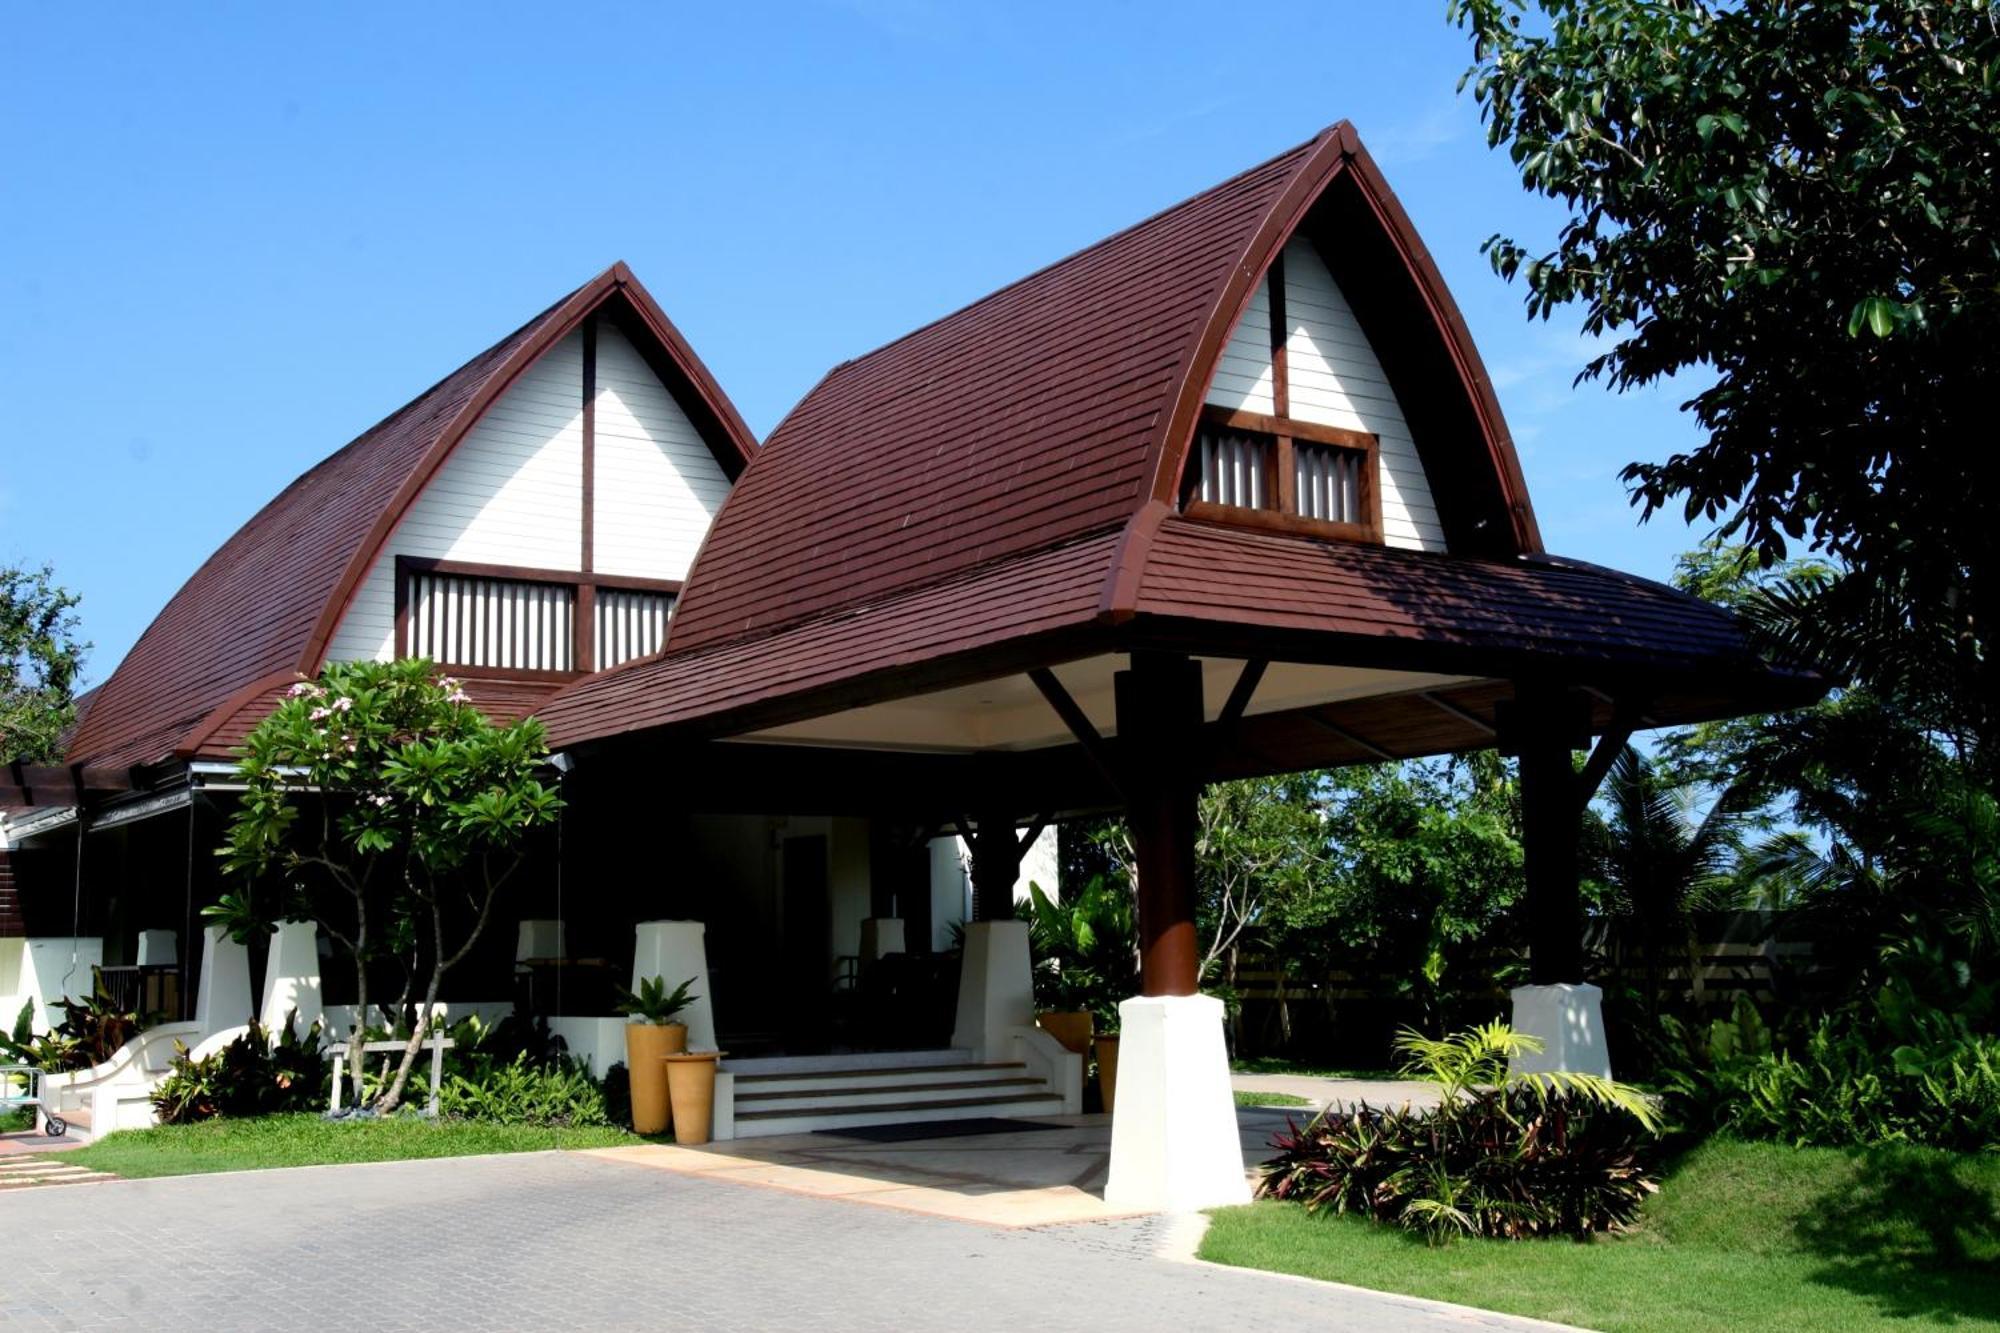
(1085, 948)
(251, 1076)
(40, 657)
(1506, 1155)
(48, 1051)
(1915, 1059)
(1425, 866)
(91, 1031)
(1663, 858)
(381, 804)
(523, 1091)
(653, 1002)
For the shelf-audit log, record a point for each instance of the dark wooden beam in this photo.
(1362, 742)
(1079, 724)
(1239, 697)
(1641, 720)
(1464, 715)
(1624, 721)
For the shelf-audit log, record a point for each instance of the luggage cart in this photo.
(29, 1079)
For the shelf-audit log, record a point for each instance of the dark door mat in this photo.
(934, 1129)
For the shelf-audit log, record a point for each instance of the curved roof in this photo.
(999, 490)
(1064, 404)
(263, 607)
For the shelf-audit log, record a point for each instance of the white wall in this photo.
(511, 493)
(658, 486)
(951, 880)
(1334, 379)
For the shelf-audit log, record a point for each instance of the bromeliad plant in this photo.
(380, 804)
(653, 1003)
(1505, 1155)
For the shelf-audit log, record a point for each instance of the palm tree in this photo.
(1664, 858)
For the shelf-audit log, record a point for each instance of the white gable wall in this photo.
(511, 493)
(658, 486)
(1243, 373)
(1334, 379)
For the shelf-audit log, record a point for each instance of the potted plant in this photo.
(691, 1088)
(1107, 1069)
(1083, 957)
(650, 1037)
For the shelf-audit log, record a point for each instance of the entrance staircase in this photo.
(799, 1094)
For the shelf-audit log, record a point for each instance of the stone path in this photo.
(569, 1240)
(1345, 1092)
(25, 1171)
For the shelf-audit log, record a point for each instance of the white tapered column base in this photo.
(1174, 1142)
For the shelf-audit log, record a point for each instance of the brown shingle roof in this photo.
(1561, 610)
(1003, 482)
(264, 605)
(1055, 407)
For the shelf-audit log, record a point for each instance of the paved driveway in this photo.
(563, 1240)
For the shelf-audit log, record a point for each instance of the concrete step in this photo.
(849, 1094)
(848, 1060)
(749, 1083)
(753, 1124)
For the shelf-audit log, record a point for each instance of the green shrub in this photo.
(1504, 1155)
(252, 1075)
(522, 1091)
(1839, 1088)
(1914, 1062)
(618, 1095)
(90, 1033)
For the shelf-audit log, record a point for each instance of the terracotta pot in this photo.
(1071, 1029)
(647, 1046)
(691, 1085)
(1107, 1071)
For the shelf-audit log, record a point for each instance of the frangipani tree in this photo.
(380, 804)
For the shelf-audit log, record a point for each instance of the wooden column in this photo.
(1159, 726)
(996, 864)
(1542, 728)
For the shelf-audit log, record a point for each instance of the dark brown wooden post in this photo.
(1159, 727)
(1543, 728)
(996, 864)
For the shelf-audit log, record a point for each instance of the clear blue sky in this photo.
(234, 236)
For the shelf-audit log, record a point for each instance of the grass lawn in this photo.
(1270, 1099)
(1741, 1235)
(308, 1140)
(1274, 1065)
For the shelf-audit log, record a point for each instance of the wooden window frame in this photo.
(583, 605)
(1284, 429)
(1285, 516)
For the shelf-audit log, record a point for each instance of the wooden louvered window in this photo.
(499, 622)
(630, 624)
(508, 624)
(1235, 467)
(1275, 472)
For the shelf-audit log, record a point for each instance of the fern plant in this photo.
(1465, 1064)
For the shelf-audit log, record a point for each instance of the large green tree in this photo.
(40, 656)
(1792, 205)
(378, 802)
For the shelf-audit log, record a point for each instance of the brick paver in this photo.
(561, 1240)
